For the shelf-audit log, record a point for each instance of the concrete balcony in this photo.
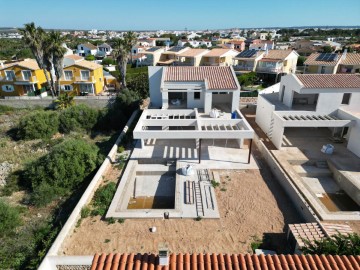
(6, 79)
(90, 79)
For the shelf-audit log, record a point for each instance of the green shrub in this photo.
(9, 218)
(214, 183)
(110, 220)
(85, 212)
(38, 125)
(5, 109)
(198, 218)
(61, 170)
(102, 198)
(121, 149)
(77, 118)
(121, 220)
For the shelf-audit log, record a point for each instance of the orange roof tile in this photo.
(74, 57)
(277, 54)
(329, 80)
(311, 60)
(192, 52)
(217, 52)
(351, 59)
(224, 262)
(86, 64)
(216, 77)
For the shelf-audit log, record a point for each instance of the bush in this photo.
(108, 61)
(121, 149)
(90, 58)
(5, 109)
(85, 212)
(62, 170)
(139, 83)
(339, 244)
(38, 125)
(9, 218)
(77, 118)
(102, 198)
(247, 78)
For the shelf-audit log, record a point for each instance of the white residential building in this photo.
(313, 100)
(86, 49)
(104, 50)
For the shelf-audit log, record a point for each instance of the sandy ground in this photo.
(252, 206)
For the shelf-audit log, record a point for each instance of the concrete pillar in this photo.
(235, 101)
(207, 101)
(142, 143)
(241, 143)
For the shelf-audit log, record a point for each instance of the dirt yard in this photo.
(252, 207)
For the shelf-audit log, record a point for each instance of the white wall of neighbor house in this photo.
(155, 76)
(264, 113)
(353, 132)
(328, 102)
(354, 103)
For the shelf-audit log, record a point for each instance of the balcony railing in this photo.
(269, 69)
(90, 79)
(18, 79)
(214, 64)
(29, 79)
(249, 68)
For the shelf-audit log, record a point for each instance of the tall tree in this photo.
(34, 37)
(55, 55)
(122, 52)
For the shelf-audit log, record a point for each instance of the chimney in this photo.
(163, 254)
(344, 54)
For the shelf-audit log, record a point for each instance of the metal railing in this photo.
(85, 79)
(29, 79)
(238, 67)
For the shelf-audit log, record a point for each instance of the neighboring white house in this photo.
(193, 43)
(86, 49)
(68, 50)
(206, 42)
(313, 100)
(152, 55)
(104, 50)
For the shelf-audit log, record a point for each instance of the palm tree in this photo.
(55, 55)
(34, 37)
(122, 52)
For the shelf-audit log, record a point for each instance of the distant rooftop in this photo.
(176, 48)
(153, 49)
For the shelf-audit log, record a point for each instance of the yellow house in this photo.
(21, 78)
(219, 57)
(83, 78)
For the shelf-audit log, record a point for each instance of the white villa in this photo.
(193, 103)
(313, 100)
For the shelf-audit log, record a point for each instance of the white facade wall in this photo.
(155, 76)
(195, 103)
(328, 102)
(264, 113)
(353, 136)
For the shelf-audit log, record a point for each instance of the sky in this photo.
(177, 14)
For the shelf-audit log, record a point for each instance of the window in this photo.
(68, 74)
(282, 93)
(196, 95)
(10, 75)
(7, 88)
(26, 75)
(323, 70)
(28, 88)
(68, 87)
(81, 48)
(346, 98)
(87, 88)
(85, 75)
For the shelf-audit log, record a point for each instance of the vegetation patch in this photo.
(102, 199)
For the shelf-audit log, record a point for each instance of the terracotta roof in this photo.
(192, 52)
(89, 45)
(329, 80)
(224, 261)
(277, 54)
(236, 42)
(27, 64)
(309, 231)
(351, 59)
(217, 52)
(311, 60)
(87, 65)
(216, 77)
(74, 57)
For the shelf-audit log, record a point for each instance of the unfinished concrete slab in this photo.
(313, 172)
